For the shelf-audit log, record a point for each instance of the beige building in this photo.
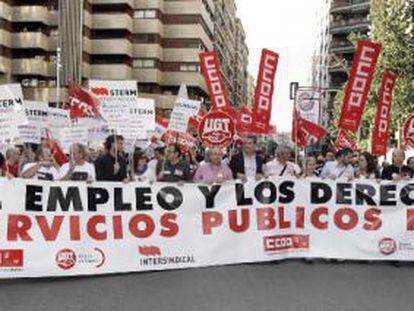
(155, 42)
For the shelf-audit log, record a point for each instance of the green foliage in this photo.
(393, 27)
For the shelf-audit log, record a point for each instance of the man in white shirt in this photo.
(339, 169)
(151, 173)
(78, 169)
(43, 169)
(281, 166)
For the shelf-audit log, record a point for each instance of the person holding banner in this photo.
(341, 168)
(151, 173)
(78, 169)
(214, 171)
(309, 168)
(140, 166)
(112, 166)
(173, 169)
(43, 168)
(247, 164)
(281, 166)
(397, 170)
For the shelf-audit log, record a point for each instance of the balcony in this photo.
(351, 25)
(342, 48)
(149, 4)
(350, 7)
(112, 21)
(128, 2)
(112, 46)
(32, 13)
(5, 64)
(43, 94)
(148, 26)
(30, 40)
(111, 72)
(194, 79)
(31, 67)
(147, 75)
(5, 38)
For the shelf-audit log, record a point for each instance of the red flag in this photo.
(382, 119)
(82, 103)
(194, 121)
(244, 119)
(262, 108)
(359, 84)
(211, 71)
(305, 131)
(58, 154)
(345, 141)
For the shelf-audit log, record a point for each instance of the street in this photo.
(290, 286)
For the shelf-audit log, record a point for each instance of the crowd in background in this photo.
(210, 165)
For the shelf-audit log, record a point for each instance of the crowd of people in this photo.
(210, 165)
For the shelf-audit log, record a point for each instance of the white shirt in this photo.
(250, 166)
(275, 168)
(151, 172)
(334, 171)
(87, 169)
(43, 173)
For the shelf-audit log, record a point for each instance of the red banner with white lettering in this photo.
(210, 67)
(409, 131)
(82, 103)
(382, 119)
(359, 84)
(262, 109)
(345, 141)
(305, 131)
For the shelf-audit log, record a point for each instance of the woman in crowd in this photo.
(78, 169)
(214, 171)
(309, 170)
(11, 164)
(366, 167)
(44, 167)
(281, 166)
(140, 163)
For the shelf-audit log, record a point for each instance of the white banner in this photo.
(308, 103)
(67, 229)
(115, 97)
(141, 120)
(183, 110)
(37, 114)
(12, 113)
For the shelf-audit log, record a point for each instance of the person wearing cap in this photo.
(341, 167)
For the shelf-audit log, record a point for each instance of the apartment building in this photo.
(155, 42)
(334, 53)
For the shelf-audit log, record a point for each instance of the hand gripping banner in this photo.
(210, 67)
(382, 119)
(262, 108)
(359, 84)
(69, 229)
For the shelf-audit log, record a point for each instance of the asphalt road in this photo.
(292, 285)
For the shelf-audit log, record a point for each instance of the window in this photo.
(145, 14)
(143, 63)
(189, 68)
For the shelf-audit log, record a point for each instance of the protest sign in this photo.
(183, 110)
(217, 129)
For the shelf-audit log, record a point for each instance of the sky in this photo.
(288, 27)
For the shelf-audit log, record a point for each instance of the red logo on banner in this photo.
(66, 259)
(280, 243)
(11, 258)
(214, 81)
(409, 131)
(262, 108)
(305, 132)
(82, 103)
(387, 246)
(149, 251)
(100, 91)
(345, 141)
(359, 84)
(217, 129)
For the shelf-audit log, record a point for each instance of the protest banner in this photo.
(359, 85)
(379, 143)
(67, 229)
(141, 119)
(210, 67)
(12, 113)
(83, 103)
(37, 116)
(308, 103)
(217, 129)
(409, 131)
(262, 108)
(345, 141)
(183, 110)
(115, 97)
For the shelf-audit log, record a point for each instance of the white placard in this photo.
(183, 110)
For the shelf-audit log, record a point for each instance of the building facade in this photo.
(155, 42)
(334, 52)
